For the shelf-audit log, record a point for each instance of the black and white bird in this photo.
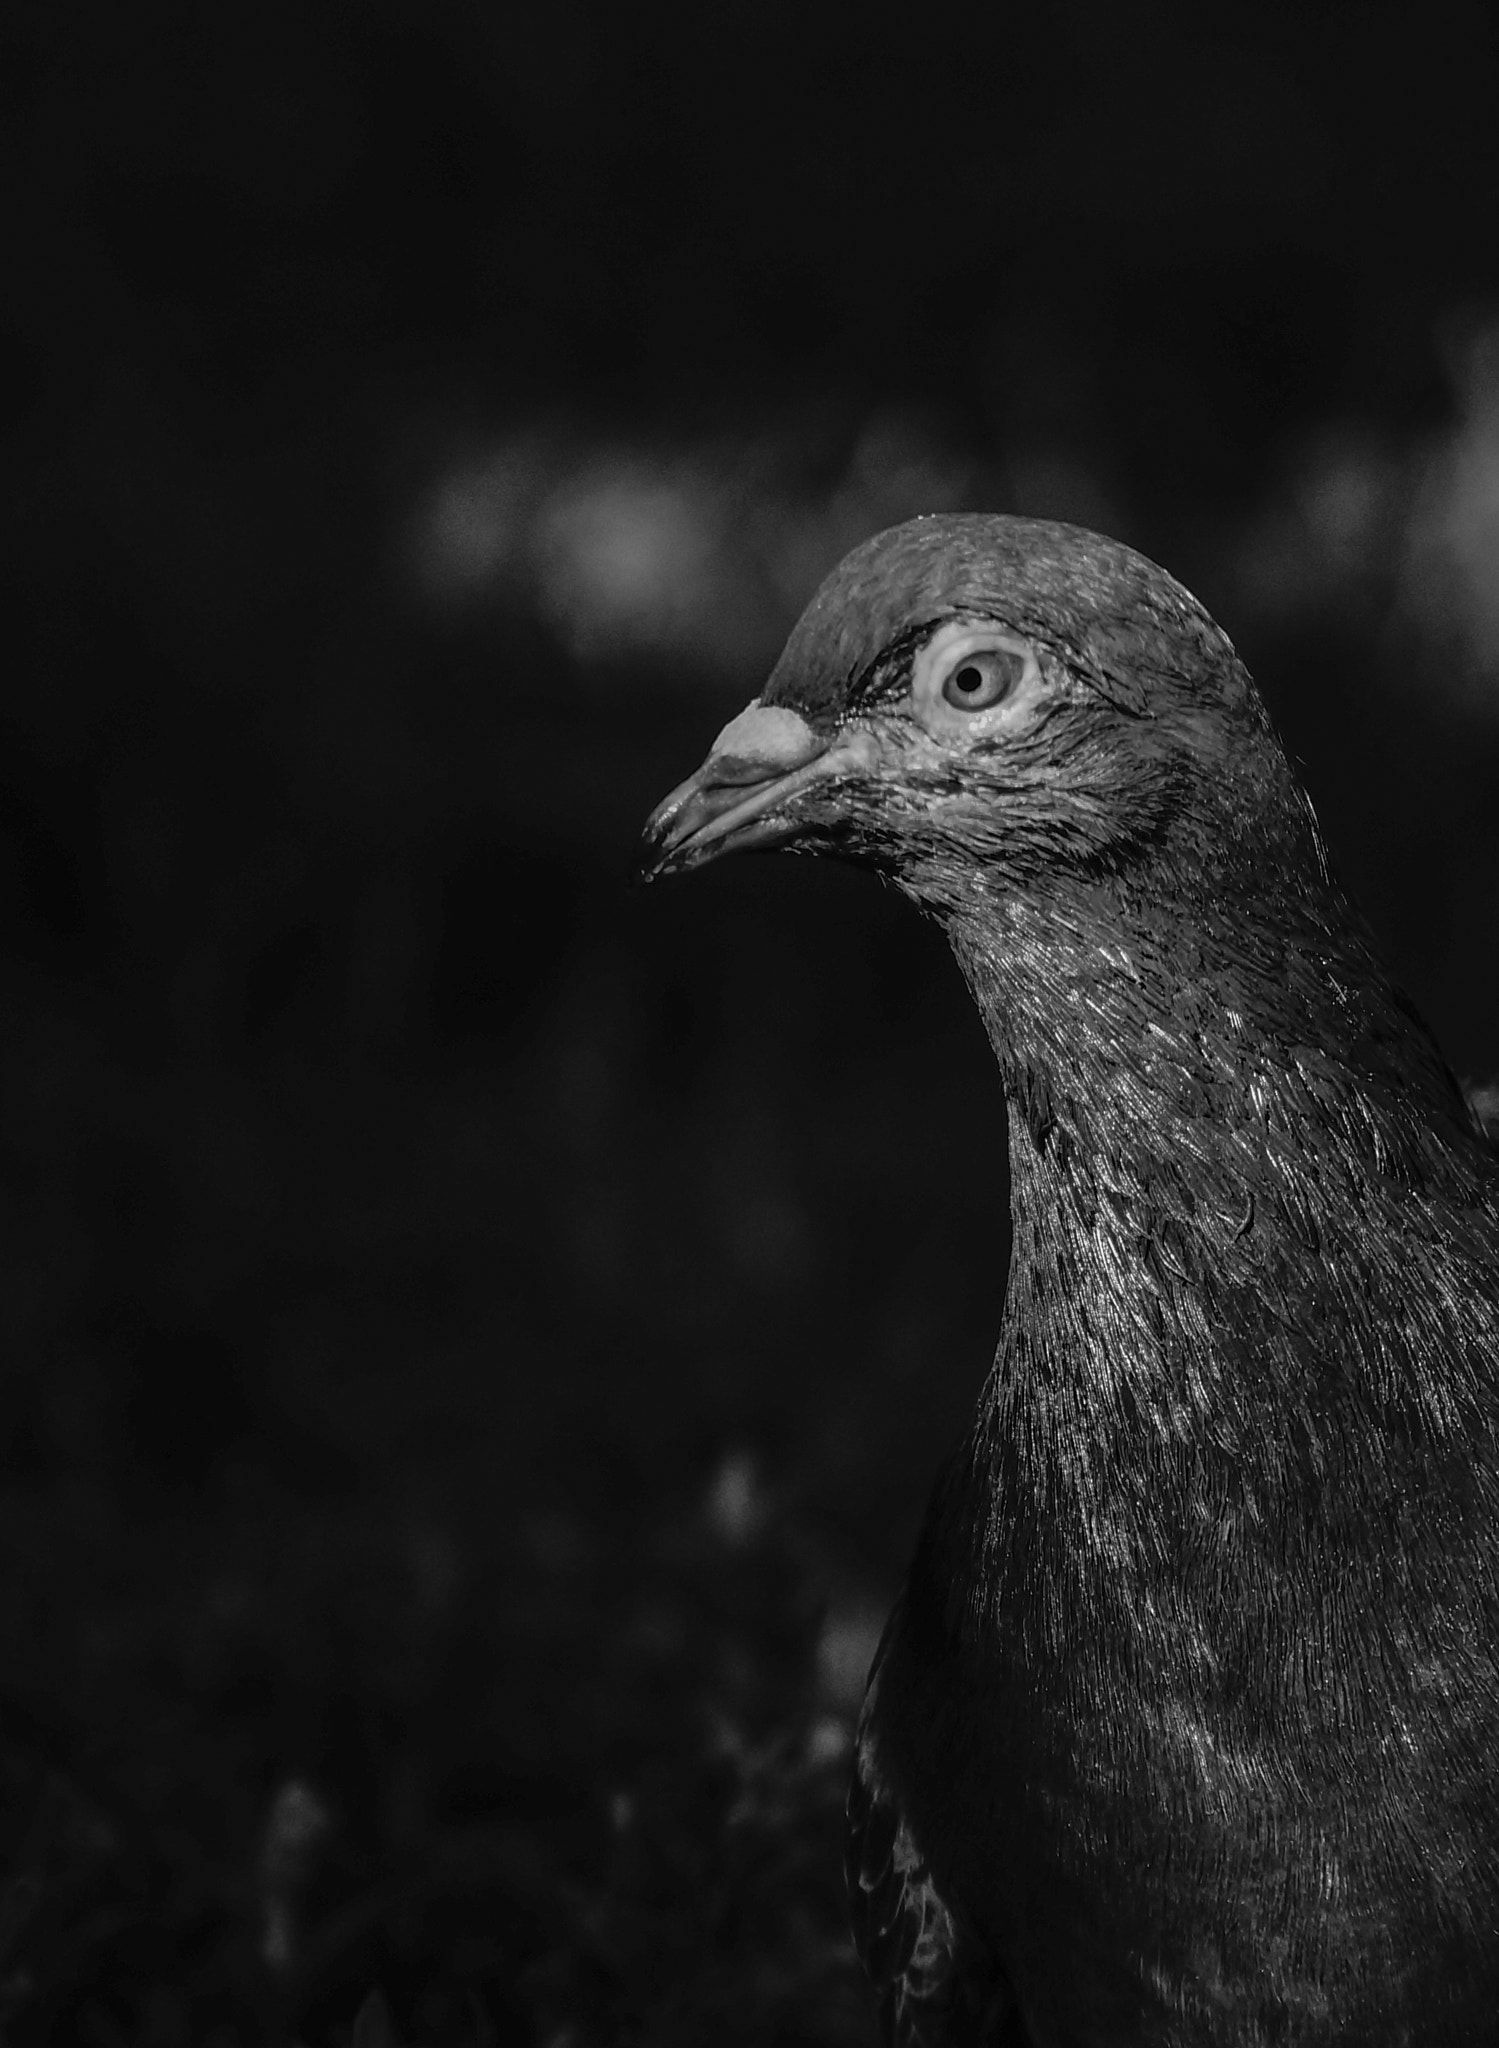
(1185, 1730)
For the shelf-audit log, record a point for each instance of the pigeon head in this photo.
(973, 703)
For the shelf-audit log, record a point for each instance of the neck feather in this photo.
(1225, 1157)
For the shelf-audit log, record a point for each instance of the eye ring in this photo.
(975, 678)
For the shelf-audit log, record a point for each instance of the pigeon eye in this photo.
(984, 678)
(975, 682)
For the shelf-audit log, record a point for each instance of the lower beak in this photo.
(742, 795)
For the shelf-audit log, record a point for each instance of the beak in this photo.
(739, 797)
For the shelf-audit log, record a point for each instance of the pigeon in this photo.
(1185, 1728)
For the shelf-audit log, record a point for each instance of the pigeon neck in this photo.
(1148, 1041)
(1190, 1132)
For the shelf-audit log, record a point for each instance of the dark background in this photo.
(478, 1338)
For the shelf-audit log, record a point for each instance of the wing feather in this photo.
(936, 1982)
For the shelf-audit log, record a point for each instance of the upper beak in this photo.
(738, 797)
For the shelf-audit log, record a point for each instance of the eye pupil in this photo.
(968, 680)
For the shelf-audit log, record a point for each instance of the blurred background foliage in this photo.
(478, 1339)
